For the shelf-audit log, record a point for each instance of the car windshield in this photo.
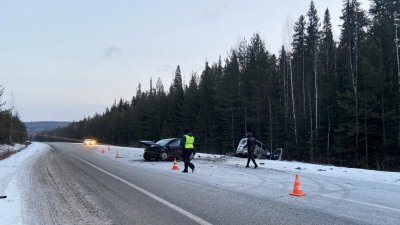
(175, 143)
(163, 142)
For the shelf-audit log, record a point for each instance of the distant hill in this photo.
(39, 126)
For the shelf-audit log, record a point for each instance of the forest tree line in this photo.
(321, 100)
(12, 129)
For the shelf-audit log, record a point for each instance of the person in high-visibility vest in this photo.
(187, 143)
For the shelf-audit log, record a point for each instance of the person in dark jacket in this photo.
(187, 143)
(251, 146)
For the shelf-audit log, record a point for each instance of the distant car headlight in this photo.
(89, 142)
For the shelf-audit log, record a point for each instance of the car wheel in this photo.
(163, 156)
(146, 156)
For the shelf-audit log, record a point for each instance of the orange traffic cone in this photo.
(102, 150)
(117, 155)
(175, 166)
(297, 188)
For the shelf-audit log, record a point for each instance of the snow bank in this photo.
(10, 207)
(7, 149)
(15, 147)
(331, 171)
(131, 155)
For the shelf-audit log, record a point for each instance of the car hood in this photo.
(148, 143)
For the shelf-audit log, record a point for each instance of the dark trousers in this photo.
(186, 159)
(250, 156)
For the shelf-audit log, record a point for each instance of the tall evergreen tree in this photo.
(352, 39)
(229, 102)
(206, 107)
(327, 68)
(176, 101)
(312, 41)
(380, 88)
(12, 130)
(299, 47)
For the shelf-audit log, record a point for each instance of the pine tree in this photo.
(289, 136)
(312, 51)
(229, 93)
(191, 102)
(11, 127)
(327, 64)
(299, 58)
(176, 101)
(352, 39)
(206, 107)
(381, 88)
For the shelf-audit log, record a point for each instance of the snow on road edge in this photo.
(128, 155)
(13, 148)
(10, 208)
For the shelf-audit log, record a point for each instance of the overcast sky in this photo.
(67, 59)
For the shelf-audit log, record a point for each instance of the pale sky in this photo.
(66, 59)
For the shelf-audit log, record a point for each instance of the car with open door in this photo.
(261, 151)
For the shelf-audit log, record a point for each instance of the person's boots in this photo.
(255, 167)
(247, 166)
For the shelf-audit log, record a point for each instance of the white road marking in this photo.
(363, 203)
(151, 195)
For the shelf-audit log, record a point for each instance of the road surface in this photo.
(73, 185)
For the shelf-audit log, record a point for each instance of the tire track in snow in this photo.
(58, 200)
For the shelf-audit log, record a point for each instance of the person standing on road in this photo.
(187, 143)
(251, 146)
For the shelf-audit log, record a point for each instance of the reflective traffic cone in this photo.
(297, 188)
(175, 166)
(117, 155)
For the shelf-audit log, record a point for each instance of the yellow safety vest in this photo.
(189, 141)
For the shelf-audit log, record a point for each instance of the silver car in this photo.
(260, 152)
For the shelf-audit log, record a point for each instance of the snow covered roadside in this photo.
(315, 169)
(135, 155)
(14, 148)
(10, 207)
(10, 149)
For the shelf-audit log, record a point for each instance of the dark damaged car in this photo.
(164, 149)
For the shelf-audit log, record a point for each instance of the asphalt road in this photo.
(70, 185)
